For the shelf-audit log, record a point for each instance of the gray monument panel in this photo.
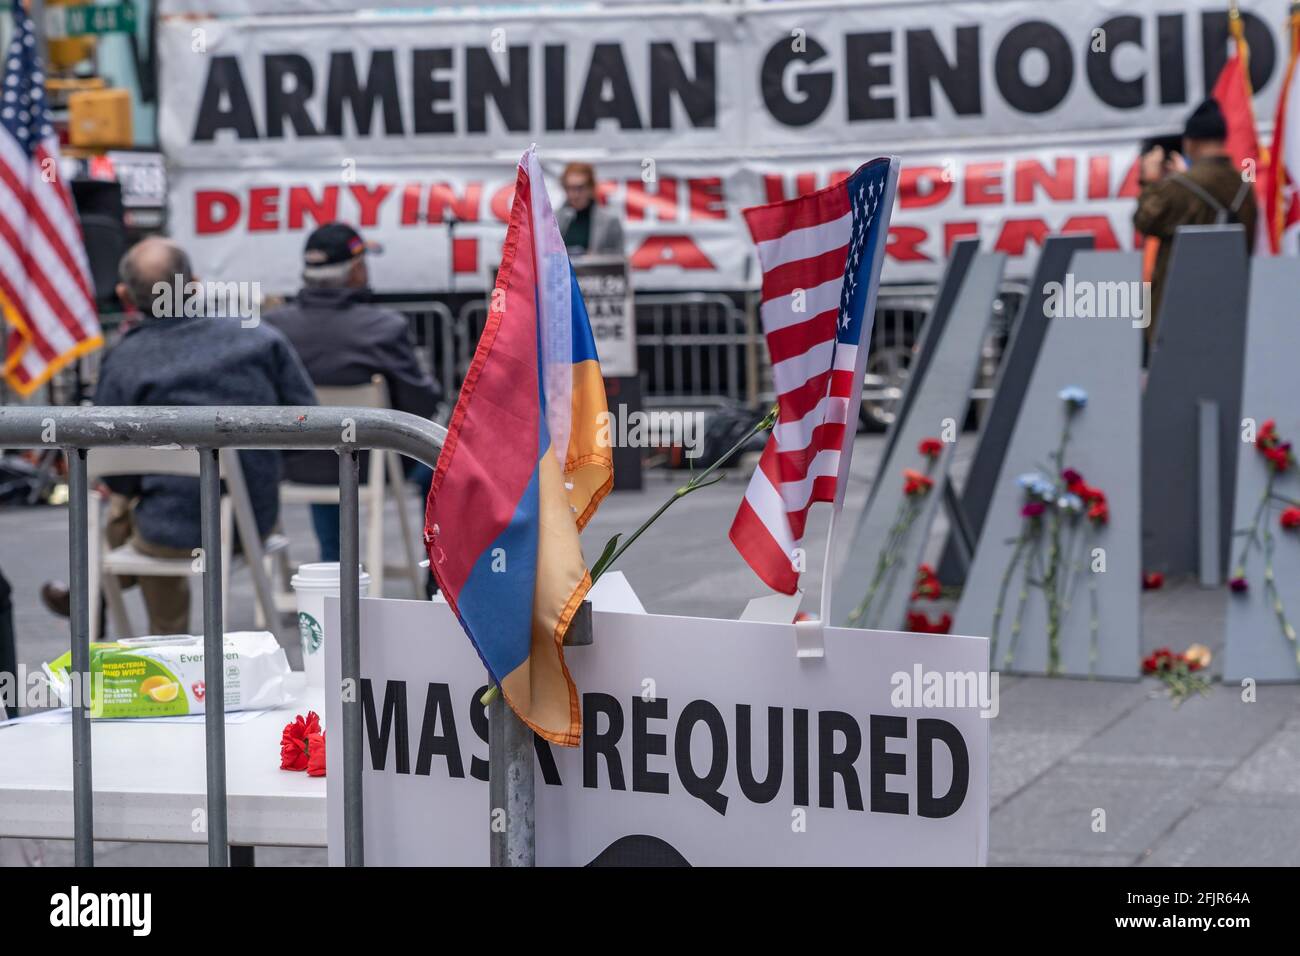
(1255, 642)
(954, 276)
(1197, 356)
(1017, 366)
(1102, 356)
(942, 394)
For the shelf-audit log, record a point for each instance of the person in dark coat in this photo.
(345, 339)
(177, 354)
(1203, 186)
(588, 228)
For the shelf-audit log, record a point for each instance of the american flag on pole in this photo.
(44, 274)
(821, 256)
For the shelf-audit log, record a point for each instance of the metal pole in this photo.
(83, 792)
(36, 10)
(350, 646)
(510, 787)
(214, 664)
(511, 766)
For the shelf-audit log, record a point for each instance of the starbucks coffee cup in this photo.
(312, 584)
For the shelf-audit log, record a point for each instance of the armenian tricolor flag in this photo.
(522, 471)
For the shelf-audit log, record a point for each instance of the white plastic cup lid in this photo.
(322, 574)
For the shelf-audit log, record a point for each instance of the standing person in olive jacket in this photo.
(1199, 188)
(344, 339)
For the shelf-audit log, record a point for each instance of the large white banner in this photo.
(442, 227)
(690, 114)
(706, 741)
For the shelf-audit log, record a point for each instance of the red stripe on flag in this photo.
(30, 332)
(761, 552)
(776, 219)
(795, 340)
(799, 401)
(56, 302)
(793, 465)
(37, 215)
(804, 273)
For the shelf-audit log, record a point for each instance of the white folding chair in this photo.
(236, 512)
(385, 475)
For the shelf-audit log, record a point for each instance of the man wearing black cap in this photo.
(343, 340)
(1203, 189)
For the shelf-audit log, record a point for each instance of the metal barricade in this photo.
(208, 429)
(694, 345)
(433, 326)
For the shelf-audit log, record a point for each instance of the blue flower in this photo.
(1072, 503)
(1073, 396)
(1034, 483)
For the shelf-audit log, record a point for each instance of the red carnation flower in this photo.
(1279, 456)
(1290, 518)
(927, 584)
(293, 741)
(915, 483)
(1032, 509)
(1100, 511)
(1153, 581)
(316, 755)
(930, 447)
(1071, 477)
(918, 623)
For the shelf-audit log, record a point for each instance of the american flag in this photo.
(820, 255)
(44, 274)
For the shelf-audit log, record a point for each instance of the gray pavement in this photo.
(1083, 773)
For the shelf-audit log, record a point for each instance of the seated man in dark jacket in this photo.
(169, 358)
(343, 340)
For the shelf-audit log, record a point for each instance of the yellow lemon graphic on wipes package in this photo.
(160, 689)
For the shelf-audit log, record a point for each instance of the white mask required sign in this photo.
(704, 741)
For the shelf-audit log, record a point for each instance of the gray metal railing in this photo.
(208, 429)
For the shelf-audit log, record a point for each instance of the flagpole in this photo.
(36, 10)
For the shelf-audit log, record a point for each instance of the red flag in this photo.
(1282, 204)
(1235, 97)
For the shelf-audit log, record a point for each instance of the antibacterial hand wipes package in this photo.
(163, 676)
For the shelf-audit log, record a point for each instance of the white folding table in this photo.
(150, 780)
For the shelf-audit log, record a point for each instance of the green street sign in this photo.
(91, 19)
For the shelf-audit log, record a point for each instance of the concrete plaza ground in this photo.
(1214, 782)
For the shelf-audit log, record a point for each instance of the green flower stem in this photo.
(887, 559)
(1094, 624)
(1253, 531)
(1272, 594)
(894, 561)
(696, 482)
(1052, 580)
(1016, 555)
(1073, 567)
(902, 522)
(1017, 622)
(1261, 532)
